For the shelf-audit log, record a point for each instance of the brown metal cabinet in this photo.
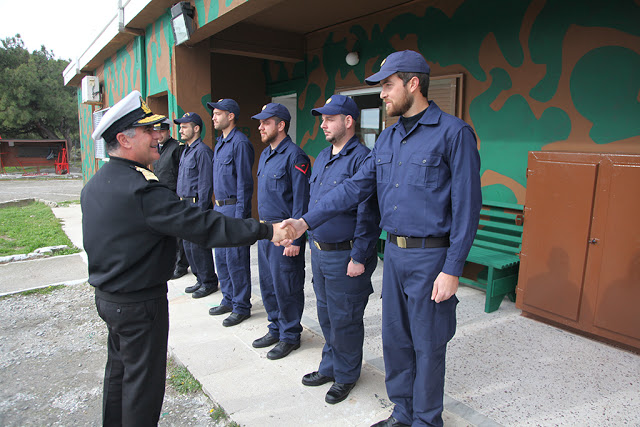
(580, 259)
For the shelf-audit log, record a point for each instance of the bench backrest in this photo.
(500, 227)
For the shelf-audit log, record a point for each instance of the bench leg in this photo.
(492, 302)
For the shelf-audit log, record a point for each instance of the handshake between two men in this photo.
(285, 232)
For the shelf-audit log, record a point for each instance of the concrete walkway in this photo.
(502, 368)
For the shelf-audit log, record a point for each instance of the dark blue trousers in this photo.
(415, 332)
(201, 262)
(282, 289)
(135, 373)
(341, 301)
(234, 272)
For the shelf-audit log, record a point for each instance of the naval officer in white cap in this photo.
(130, 222)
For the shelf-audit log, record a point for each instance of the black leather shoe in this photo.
(192, 289)
(178, 273)
(234, 319)
(203, 292)
(338, 392)
(316, 378)
(221, 309)
(282, 349)
(390, 422)
(265, 341)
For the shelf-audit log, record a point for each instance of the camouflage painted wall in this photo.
(550, 75)
(145, 64)
(87, 153)
(210, 10)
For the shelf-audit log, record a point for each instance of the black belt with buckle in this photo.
(223, 202)
(342, 246)
(191, 199)
(418, 242)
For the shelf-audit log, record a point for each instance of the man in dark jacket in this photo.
(166, 169)
(129, 224)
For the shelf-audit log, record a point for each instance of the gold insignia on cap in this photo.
(383, 61)
(221, 99)
(185, 115)
(148, 175)
(144, 107)
(263, 107)
(328, 101)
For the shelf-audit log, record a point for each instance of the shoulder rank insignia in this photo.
(302, 167)
(148, 175)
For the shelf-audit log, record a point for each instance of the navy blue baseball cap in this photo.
(338, 104)
(273, 109)
(189, 118)
(226, 105)
(407, 61)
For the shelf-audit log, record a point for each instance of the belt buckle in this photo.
(317, 245)
(401, 241)
(218, 203)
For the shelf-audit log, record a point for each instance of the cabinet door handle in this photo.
(593, 241)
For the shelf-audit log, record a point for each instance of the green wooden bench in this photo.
(497, 246)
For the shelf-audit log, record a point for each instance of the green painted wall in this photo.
(509, 121)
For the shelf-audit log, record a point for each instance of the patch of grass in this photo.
(68, 203)
(26, 228)
(181, 379)
(39, 291)
(217, 413)
(42, 291)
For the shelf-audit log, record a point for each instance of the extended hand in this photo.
(354, 270)
(444, 287)
(291, 250)
(282, 235)
(299, 225)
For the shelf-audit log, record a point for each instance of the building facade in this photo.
(528, 75)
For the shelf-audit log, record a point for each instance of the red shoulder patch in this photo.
(302, 167)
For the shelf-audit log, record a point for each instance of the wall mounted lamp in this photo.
(182, 21)
(352, 58)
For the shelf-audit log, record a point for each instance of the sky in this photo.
(66, 27)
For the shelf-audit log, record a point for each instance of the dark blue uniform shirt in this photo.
(233, 158)
(283, 183)
(195, 176)
(360, 223)
(428, 182)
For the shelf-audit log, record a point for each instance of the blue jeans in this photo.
(282, 289)
(415, 333)
(341, 301)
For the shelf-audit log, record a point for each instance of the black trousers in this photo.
(134, 378)
(181, 258)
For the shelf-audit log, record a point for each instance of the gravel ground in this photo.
(52, 356)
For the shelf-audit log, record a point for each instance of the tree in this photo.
(34, 103)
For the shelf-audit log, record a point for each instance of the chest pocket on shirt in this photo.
(383, 167)
(277, 181)
(192, 169)
(425, 170)
(225, 165)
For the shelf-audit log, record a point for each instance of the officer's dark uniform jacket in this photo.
(360, 223)
(166, 167)
(130, 223)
